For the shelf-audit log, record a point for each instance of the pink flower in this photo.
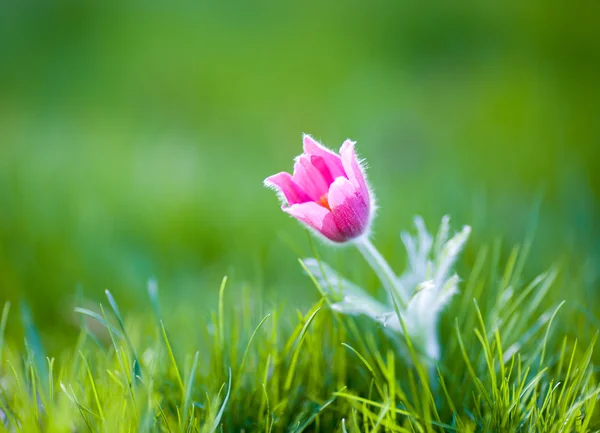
(328, 192)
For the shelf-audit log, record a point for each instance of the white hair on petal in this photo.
(278, 191)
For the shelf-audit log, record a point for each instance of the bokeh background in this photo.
(134, 139)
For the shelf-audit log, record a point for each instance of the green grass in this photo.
(515, 358)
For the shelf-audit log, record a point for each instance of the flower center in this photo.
(324, 202)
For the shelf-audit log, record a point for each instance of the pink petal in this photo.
(349, 207)
(319, 163)
(316, 217)
(331, 159)
(309, 178)
(353, 169)
(283, 183)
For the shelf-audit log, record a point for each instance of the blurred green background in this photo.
(134, 138)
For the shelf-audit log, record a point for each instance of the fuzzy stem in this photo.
(383, 270)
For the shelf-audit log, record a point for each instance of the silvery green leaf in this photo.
(332, 281)
(354, 300)
(449, 254)
(367, 306)
(442, 235)
(418, 249)
(428, 259)
(449, 289)
(427, 303)
(422, 310)
(421, 317)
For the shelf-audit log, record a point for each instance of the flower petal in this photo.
(309, 178)
(349, 208)
(353, 169)
(319, 163)
(316, 217)
(331, 159)
(285, 185)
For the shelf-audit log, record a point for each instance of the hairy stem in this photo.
(383, 270)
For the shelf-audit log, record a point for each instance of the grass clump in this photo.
(510, 362)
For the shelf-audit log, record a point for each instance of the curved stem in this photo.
(383, 270)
